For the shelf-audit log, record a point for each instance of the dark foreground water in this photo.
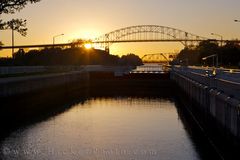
(106, 129)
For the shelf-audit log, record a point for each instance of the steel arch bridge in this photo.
(139, 33)
(149, 33)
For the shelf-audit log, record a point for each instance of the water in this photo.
(106, 128)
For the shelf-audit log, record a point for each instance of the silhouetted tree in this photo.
(2, 25)
(131, 59)
(206, 48)
(10, 7)
(6, 61)
(18, 25)
(228, 55)
(70, 56)
(188, 56)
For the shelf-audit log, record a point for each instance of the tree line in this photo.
(68, 56)
(209, 52)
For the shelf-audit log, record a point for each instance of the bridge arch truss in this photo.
(158, 57)
(149, 33)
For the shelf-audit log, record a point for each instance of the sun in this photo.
(88, 46)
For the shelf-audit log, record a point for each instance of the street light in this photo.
(55, 37)
(12, 40)
(212, 56)
(214, 34)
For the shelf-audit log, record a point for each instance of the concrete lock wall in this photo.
(20, 70)
(15, 70)
(11, 86)
(20, 85)
(221, 105)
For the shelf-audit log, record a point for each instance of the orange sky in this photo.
(92, 18)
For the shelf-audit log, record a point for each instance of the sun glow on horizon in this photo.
(88, 45)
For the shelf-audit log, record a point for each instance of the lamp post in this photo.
(212, 56)
(12, 27)
(214, 34)
(214, 68)
(56, 37)
(12, 40)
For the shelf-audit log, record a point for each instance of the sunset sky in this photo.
(92, 18)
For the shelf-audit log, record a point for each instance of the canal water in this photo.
(113, 128)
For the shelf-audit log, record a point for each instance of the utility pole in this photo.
(12, 40)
